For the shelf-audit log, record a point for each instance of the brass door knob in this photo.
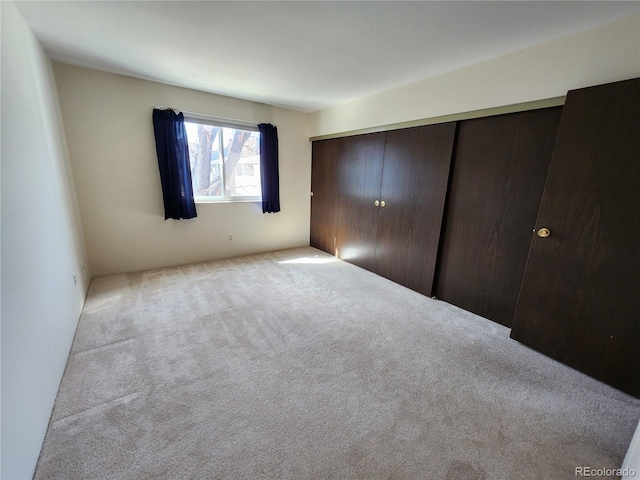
(382, 204)
(544, 232)
(376, 203)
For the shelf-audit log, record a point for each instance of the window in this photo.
(225, 161)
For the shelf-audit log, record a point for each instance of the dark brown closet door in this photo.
(580, 297)
(498, 174)
(359, 173)
(414, 185)
(325, 155)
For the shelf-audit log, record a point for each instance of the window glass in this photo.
(225, 161)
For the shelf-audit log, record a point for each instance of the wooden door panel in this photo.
(580, 297)
(498, 174)
(414, 186)
(323, 185)
(359, 173)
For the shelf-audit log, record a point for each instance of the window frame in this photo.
(238, 125)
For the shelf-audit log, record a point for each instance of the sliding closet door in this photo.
(580, 297)
(325, 155)
(498, 174)
(414, 185)
(359, 173)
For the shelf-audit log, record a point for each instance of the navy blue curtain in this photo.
(173, 159)
(269, 168)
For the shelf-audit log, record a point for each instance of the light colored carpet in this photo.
(291, 365)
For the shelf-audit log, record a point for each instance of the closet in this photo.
(359, 177)
(530, 219)
(499, 169)
(325, 157)
(580, 296)
(414, 186)
(378, 200)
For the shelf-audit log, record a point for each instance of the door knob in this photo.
(544, 232)
(376, 203)
(382, 204)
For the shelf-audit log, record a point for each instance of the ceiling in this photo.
(303, 55)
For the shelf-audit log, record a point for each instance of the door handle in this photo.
(382, 204)
(376, 203)
(544, 232)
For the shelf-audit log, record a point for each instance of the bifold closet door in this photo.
(359, 173)
(499, 169)
(580, 297)
(414, 186)
(325, 155)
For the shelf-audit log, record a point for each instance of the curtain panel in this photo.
(269, 168)
(173, 160)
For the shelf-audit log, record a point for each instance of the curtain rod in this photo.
(206, 116)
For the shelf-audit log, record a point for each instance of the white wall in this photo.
(109, 129)
(605, 54)
(631, 463)
(42, 247)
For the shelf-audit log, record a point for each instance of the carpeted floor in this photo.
(291, 365)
